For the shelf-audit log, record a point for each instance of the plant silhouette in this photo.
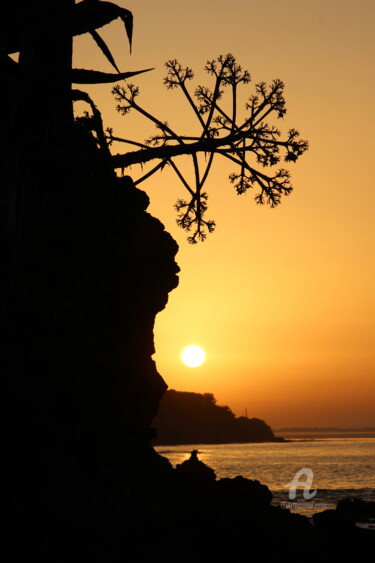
(222, 134)
(254, 144)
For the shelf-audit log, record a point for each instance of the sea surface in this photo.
(338, 468)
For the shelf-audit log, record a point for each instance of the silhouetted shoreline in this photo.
(324, 433)
(220, 443)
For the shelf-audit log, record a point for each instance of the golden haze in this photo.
(281, 300)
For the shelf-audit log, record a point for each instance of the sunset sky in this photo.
(281, 300)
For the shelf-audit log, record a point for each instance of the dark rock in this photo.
(80, 339)
(249, 493)
(338, 539)
(356, 510)
(331, 521)
(195, 471)
(90, 271)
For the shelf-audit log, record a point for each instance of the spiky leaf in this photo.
(89, 16)
(103, 47)
(83, 76)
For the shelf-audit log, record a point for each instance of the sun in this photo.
(193, 356)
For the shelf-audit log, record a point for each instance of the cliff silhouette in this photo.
(195, 418)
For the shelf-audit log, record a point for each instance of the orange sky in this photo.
(281, 300)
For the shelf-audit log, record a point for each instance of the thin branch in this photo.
(160, 124)
(176, 69)
(234, 106)
(214, 97)
(155, 169)
(126, 141)
(208, 167)
(174, 166)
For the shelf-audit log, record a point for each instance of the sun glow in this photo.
(193, 356)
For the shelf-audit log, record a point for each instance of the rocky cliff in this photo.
(92, 270)
(86, 270)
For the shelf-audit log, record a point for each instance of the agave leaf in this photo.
(83, 76)
(81, 18)
(89, 16)
(80, 96)
(103, 46)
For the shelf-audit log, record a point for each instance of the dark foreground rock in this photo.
(356, 510)
(180, 515)
(88, 272)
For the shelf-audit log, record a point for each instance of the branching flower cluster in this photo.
(249, 143)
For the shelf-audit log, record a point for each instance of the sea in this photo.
(305, 476)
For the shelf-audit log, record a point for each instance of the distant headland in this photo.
(195, 418)
(326, 432)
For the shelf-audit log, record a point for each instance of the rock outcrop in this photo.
(89, 271)
(93, 269)
(84, 269)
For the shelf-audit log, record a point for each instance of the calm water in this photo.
(341, 467)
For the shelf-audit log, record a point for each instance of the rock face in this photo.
(84, 269)
(89, 271)
(94, 269)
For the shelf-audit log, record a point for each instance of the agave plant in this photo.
(69, 19)
(42, 34)
(222, 133)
